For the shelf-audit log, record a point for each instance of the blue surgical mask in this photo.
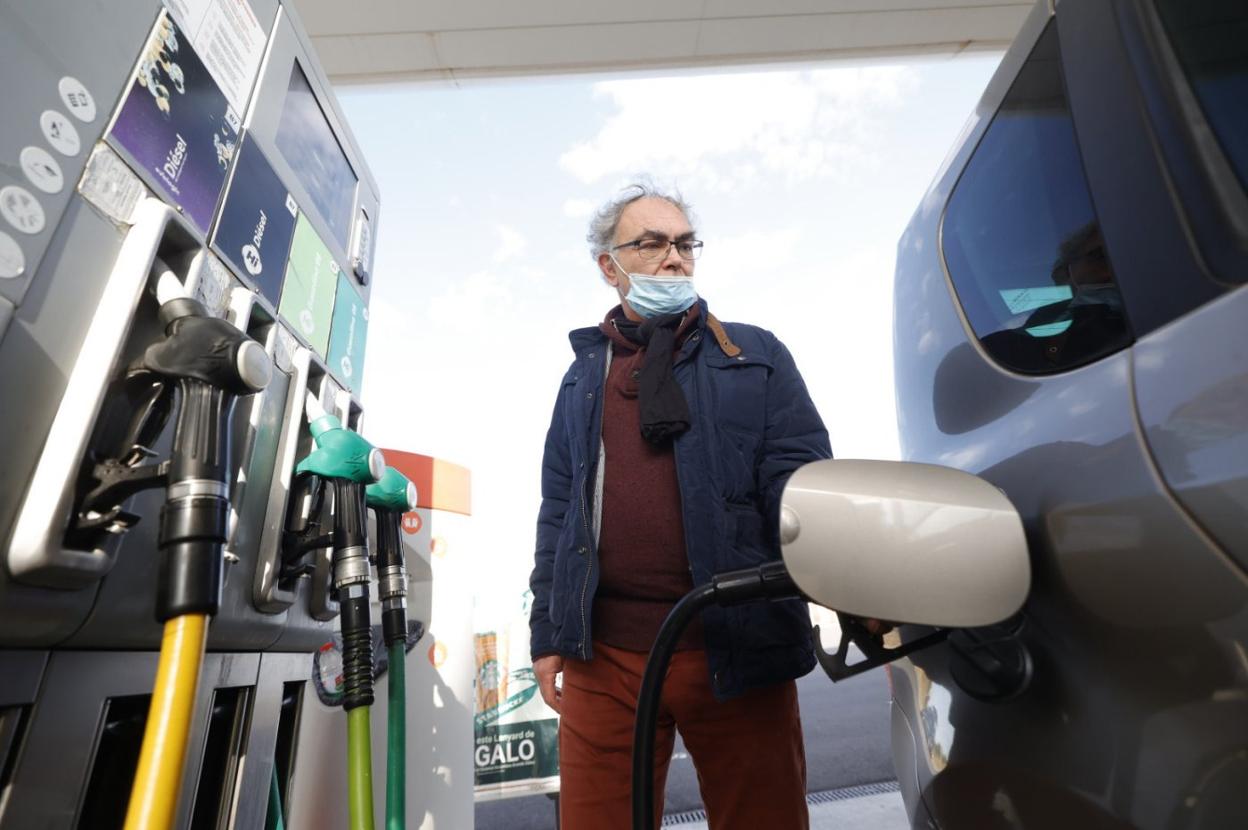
(653, 296)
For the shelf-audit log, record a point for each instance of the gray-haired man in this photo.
(671, 440)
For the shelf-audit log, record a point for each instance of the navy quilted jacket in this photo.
(752, 425)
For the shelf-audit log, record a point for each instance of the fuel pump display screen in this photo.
(308, 144)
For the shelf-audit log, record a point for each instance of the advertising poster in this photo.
(348, 335)
(177, 124)
(517, 735)
(308, 292)
(257, 221)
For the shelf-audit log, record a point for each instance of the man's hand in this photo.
(546, 668)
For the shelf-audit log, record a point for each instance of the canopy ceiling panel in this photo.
(369, 41)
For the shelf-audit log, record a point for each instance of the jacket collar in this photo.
(590, 336)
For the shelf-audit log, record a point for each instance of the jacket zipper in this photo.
(588, 571)
(584, 512)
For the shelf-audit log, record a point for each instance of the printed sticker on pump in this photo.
(255, 227)
(175, 123)
(231, 40)
(348, 336)
(310, 286)
(110, 185)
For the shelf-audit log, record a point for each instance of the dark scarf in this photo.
(664, 410)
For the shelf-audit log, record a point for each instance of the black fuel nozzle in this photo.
(213, 364)
(391, 497)
(351, 577)
(303, 532)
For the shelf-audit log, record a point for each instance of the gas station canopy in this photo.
(371, 41)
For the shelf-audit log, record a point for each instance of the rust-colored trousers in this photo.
(748, 751)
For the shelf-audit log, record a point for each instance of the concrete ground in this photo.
(873, 812)
(868, 812)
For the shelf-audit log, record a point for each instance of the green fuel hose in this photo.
(396, 740)
(359, 769)
(390, 497)
(274, 821)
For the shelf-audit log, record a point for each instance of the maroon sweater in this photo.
(644, 569)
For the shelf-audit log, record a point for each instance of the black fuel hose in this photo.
(768, 581)
(351, 575)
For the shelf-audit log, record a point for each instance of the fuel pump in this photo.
(390, 498)
(345, 460)
(210, 363)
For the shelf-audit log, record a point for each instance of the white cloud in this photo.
(721, 132)
(578, 208)
(731, 265)
(835, 315)
(512, 244)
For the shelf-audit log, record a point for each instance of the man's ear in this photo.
(609, 271)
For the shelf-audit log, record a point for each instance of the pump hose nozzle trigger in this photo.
(213, 364)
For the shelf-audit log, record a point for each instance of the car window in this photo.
(1020, 235)
(1211, 41)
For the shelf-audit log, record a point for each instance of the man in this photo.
(671, 441)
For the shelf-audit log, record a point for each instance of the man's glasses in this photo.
(653, 248)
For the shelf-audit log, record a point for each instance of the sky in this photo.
(801, 181)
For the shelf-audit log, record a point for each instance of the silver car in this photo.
(1071, 324)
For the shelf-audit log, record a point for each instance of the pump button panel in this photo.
(12, 260)
(60, 133)
(21, 209)
(41, 169)
(77, 99)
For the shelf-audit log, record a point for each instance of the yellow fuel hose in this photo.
(154, 799)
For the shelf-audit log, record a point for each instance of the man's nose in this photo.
(673, 261)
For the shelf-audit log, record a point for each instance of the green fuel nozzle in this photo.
(393, 492)
(213, 364)
(349, 462)
(340, 453)
(391, 497)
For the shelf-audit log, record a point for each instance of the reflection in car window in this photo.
(1211, 39)
(1020, 235)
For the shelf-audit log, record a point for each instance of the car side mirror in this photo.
(902, 542)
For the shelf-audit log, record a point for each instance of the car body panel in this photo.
(1191, 387)
(1137, 712)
